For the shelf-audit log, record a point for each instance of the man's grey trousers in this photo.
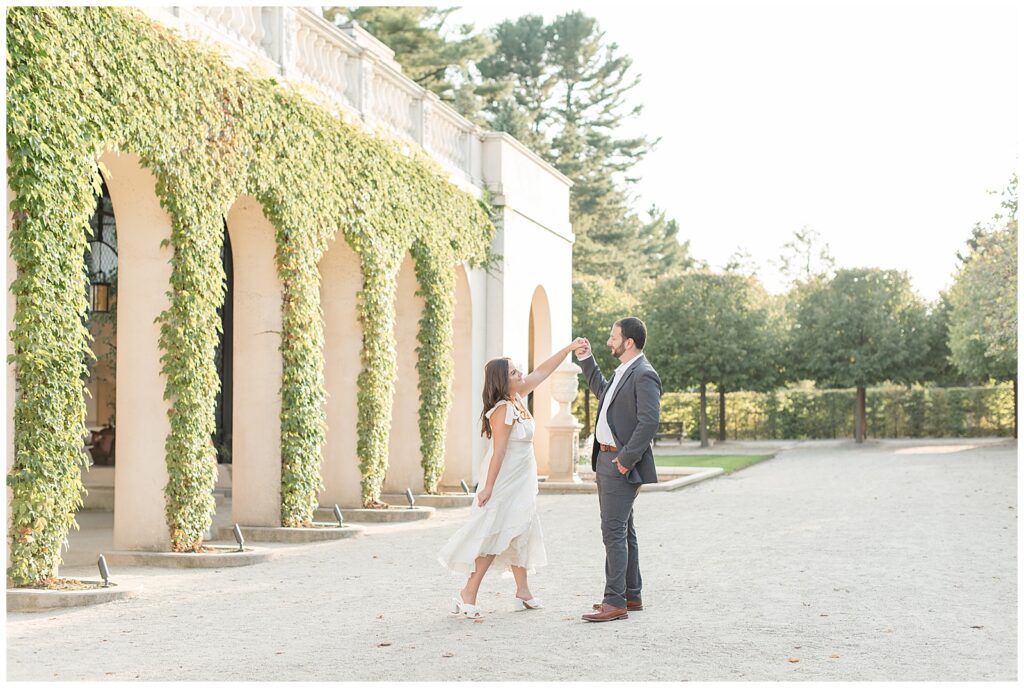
(622, 556)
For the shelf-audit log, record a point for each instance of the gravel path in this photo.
(864, 563)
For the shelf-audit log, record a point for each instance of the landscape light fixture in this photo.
(408, 496)
(237, 532)
(465, 487)
(104, 571)
(337, 515)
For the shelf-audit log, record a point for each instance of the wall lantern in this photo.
(100, 295)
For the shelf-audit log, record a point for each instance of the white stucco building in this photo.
(522, 309)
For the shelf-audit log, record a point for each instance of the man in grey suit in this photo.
(629, 407)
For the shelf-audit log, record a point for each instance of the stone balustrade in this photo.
(344, 68)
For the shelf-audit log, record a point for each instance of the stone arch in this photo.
(101, 261)
(101, 389)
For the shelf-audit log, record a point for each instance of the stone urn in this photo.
(563, 428)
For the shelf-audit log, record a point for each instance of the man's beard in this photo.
(617, 353)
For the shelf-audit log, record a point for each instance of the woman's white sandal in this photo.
(470, 611)
(532, 603)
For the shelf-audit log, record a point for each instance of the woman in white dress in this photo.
(503, 526)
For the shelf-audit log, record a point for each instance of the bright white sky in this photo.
(881, 126)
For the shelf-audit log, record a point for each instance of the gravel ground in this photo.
(892, 560)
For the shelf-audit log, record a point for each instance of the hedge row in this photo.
(892, 411)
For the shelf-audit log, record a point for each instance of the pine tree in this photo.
(520, 80)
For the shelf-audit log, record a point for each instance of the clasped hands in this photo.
(581, 347)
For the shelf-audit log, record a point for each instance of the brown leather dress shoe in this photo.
(607, 613)
(631, 605)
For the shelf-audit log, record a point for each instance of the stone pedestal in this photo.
(563, 429)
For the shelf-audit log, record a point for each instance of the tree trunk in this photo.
(1014, 407)
(704, 415)
(859, 429)
(721, 413)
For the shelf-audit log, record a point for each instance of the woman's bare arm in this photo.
(544, 370)
(499, 436)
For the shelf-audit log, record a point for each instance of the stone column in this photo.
(256, 407)
(563, 429)
(143, 422)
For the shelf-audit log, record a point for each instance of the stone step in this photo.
(225, 556)
(669, 478)
(392, 515)
(33, 600)
(320, 532)
(445, 500)
(98, 498)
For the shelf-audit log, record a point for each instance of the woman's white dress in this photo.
(507, 525)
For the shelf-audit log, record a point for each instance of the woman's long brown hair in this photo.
(495, 389)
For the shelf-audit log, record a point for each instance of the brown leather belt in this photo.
(608, 447)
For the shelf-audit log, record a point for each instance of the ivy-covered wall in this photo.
(82, 81)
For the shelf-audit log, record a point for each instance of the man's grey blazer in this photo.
(633, 414)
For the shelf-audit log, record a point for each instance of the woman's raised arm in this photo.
(544, 370)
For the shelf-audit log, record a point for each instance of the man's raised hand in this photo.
(584, 349)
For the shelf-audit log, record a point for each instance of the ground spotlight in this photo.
(465, 487)
(104, 571)
(409, 497)
(337, 515)
(238, 537)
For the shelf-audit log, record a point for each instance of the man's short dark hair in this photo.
(633, 328)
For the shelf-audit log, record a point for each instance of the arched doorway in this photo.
(539, 350)
(101, 401)
(142, 422)
(224, 356)
(101, 261)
